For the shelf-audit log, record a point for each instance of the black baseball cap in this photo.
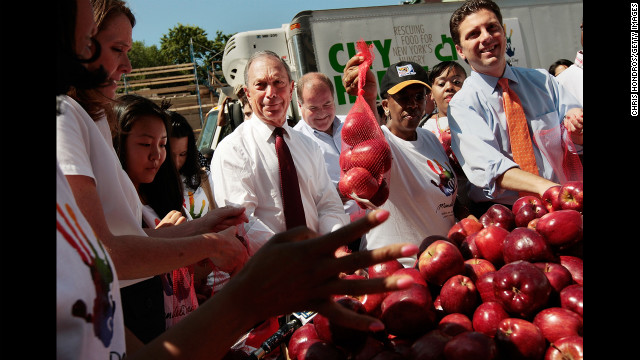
(402, 74)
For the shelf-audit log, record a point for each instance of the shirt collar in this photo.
(491, 82)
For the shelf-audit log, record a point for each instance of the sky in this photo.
(154, 18)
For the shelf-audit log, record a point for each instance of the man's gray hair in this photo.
(260, 54)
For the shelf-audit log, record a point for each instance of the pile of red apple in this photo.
(505, 286)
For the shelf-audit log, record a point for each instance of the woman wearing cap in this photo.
(422, 184)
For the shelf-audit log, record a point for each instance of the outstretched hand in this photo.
(220, 219)
(573, 123)
(298, 270)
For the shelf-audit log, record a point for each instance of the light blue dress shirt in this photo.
(479, 135)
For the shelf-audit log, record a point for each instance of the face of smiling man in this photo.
(483, 43)
(269, 90)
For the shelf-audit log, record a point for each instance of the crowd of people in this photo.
(161, 254)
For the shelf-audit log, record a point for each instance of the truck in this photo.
(539, 32)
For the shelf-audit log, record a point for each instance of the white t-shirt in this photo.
(89, 322)
(84, 147)
(421, 194)
(245, 172)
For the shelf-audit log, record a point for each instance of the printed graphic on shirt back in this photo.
(447, 180)
(100, 269)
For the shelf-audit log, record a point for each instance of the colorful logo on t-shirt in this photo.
(101, 272)
(447, 179)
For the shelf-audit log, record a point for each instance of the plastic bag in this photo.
(365, 160)
(567, 167)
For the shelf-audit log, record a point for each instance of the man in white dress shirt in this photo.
(244, 167)
(318, 109)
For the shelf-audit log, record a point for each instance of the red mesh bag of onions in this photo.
(365, 159)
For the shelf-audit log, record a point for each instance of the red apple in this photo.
(487, 316)
(498, 215)
(320, 349)
(463, 228)
(484, 284)
(358, 181)
(556, 323)
(337, 334)
(571, 298)
(574, 265)
(354, 129)
(521, 288)
(371, 301)
(561, 228)
(559, 277)
(413, 273)
(567, 348)
(526, 244)
(429, 346)
(381, 196)
(399, 345)
(345, 160)
(455, 323)
(440, 261)
(469, 248)
(533, 223)
(471, 345)
(304, 334)
(476, 267)
(528, 199)
(373, 155)
(384, 269)
(571, 196)
(520, 339)
(408, 312)
(551, 198)
(525, 214)
(490, 243)
(428, 241)
(459, 295)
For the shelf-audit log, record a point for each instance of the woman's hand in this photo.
(174, 217)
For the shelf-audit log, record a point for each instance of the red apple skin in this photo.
(561, 228)
(487, 317)
(463, 228)
(574, 265)
(388, 355)
(345, 160)
(429, 346)
(556, 323)
(571, 196)
(352, 132)
(476, 267)
(459, 295)
(520, 339)
(369, 350)
(526, 244)
(528, 199)
(424, 244)
(455, 323)
(559, 277)
(408, 312)
(373, 155)
(384, 269)
(320, 349)
(469, 248)
(484, 285)
(521, 288)
(551, 198)
(440, 261)
(471, 345)
(304, 334)
(533, 223)
(568, 348)
(525, 214)
(571, 298)
(358, 180)
(498, 215)
(371, 301)
(490, 243)
(413, 273)
(340, 335)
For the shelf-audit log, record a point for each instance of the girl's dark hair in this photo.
(164, 193)
(470, 7)
(441, 67)
(69, 69)
(191, 169)
(565, 62)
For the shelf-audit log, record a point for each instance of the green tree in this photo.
(142, 56)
